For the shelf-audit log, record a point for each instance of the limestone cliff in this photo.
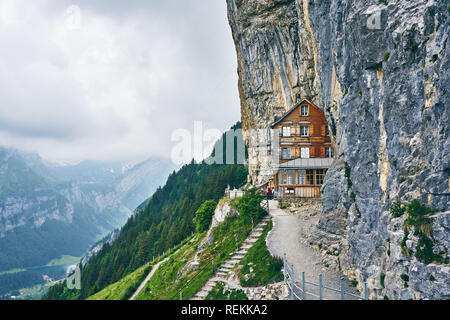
(380, 71)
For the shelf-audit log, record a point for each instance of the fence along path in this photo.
(301, 289)
(287, 237)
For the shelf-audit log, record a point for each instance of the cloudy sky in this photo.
(112, 80)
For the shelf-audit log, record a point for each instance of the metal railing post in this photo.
(320, 287)
(292, 282)
(366, 291)
(181, 294)
(342, 289)
(304, 286)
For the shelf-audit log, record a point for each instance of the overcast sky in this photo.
(114, 79)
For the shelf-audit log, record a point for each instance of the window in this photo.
(286, 131)
(304, 153)
(304, 131)
(327, 131)
(304, 111)
(286, 153)
(302, 177)
(329, 152)
(283, 177)
(289, 190)
(310, 177)
(320, 176)
(291, 177)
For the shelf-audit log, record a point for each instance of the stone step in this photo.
(233, 261)
(212, 282)
(229, 265)
(222, 274)
(208, 287)
(224, 270)
(202, 294)
(237, 258)
(256, 235)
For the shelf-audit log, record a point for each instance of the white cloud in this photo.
(118, 86)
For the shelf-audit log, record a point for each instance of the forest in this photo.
(165, 221)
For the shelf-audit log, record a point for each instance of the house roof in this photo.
(292, 109)
(310, 163)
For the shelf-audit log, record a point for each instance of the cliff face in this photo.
(381, 74)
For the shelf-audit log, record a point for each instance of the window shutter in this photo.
(323, 131)
(311, 152)
(322, 152)
(311, 131)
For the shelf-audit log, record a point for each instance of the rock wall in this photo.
(380, 71)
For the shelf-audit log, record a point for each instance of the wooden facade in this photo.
(305, 151)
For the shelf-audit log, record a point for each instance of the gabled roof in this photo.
(292, 109)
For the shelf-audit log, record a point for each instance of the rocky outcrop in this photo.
(223, 211)
(380, 71)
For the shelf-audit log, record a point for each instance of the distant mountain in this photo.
(47, 210)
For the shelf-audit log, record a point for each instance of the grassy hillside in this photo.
(124, 288)
(164, 221)
(175, 274)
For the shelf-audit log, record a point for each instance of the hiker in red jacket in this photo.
(269, 193)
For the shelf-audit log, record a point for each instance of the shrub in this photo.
(404, 277)
(386, 56)
(249, 205)
(348, 172)
(418, 217)
(204, 215)
(394, 162)
(403, 245)
(397, 209)
(424, 250)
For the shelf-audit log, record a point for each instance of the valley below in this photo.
(51, 215)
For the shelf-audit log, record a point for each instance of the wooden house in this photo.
(305, 151)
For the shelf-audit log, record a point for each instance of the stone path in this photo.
(285, 238)
(235, 258)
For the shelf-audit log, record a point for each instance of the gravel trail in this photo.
(285, 238)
